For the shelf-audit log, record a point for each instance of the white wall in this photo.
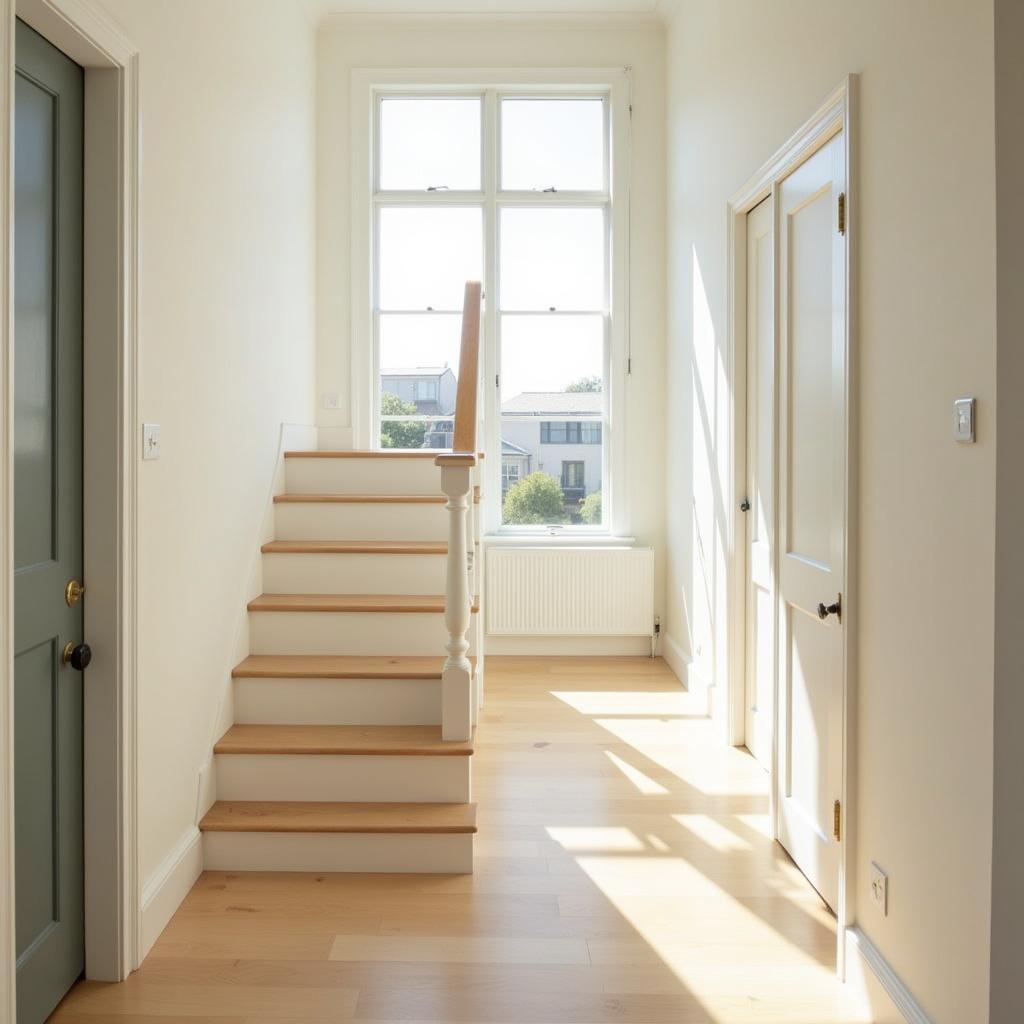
(226, 350)
(507, 42)
(742, 78)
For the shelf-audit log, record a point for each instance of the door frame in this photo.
(838, 113)
(110, 323)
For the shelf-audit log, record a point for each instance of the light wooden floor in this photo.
(623, 874)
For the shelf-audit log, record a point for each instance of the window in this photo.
(426, 391)
(570, 433)
(517, 185)
(509, 475)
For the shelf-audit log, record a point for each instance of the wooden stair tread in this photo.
(337, 666)
(382, 740)
(433, 603)
(353, 547)
(289, 816)
(386, 453)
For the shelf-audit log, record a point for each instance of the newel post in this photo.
(457, 676)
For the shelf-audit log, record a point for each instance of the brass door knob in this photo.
(73, 592)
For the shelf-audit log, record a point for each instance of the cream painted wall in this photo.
(226, 350)
(507, 42)
(743, 76)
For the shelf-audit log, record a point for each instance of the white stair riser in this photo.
(353, 573)
(337, 701)
(310, 851)
(360, 521)
(362, 476)
(384, 633)
(358, 777)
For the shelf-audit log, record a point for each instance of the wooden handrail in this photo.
(464, 451)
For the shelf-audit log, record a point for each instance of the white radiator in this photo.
(570, 591)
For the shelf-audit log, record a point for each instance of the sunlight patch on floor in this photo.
(614, 702)
(597, 839)
(712, 832)
(665, 898)
(644, 783)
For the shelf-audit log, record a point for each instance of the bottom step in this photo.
(323, 836)
(396, 853)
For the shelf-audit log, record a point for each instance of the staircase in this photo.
(352, 736)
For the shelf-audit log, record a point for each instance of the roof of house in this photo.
(416, 371)
(555, 403)
(508, 448)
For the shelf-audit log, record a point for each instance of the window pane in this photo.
(427, 255)
(552, 370)
(552, 259)
(552, 144)
(430, 143)
(561, 354)
(419, 366)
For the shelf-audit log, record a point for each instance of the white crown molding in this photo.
(471, 16)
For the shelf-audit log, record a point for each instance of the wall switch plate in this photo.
(963, 420)
(880, 888)
(330, 399)
(151, 440)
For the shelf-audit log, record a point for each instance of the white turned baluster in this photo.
(457, 676)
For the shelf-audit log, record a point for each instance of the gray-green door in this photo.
(47, 522)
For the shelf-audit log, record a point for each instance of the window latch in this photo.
(438, 188)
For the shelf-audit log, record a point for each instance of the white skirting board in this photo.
(569, 646)
(885, 996)
(676, 658)
(168, 886)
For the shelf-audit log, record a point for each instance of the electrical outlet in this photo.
(330, 399)
(880, 888)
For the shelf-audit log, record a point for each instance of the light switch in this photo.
(151, 440)
(963, 420)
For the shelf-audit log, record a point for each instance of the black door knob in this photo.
(77, 656)
(836, 609)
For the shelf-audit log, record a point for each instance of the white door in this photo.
(812, 498)
(760, 489)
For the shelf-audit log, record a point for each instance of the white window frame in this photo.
(369, 86)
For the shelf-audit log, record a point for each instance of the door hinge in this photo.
(497, 380)
(842, 213)
(836, 816)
